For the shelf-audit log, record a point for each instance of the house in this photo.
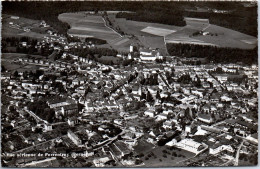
(122, 148)
(160, 117)
(215, 97)
(47, 127)
(74, 138)
(72, 121)
(217, 148)
(149, 55)
(226, 98)
(206, 108)
(149, 113)
(136, 90)
(190, 145)
(69, 109)
(206, 118)
(192, 128)
(167, 125)
(89, 106)
(101, 161)
(222, 77)
(57, 102)
(253, 138)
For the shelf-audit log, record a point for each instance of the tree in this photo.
(149, 97)
(158, 95)
(16, 74)
(3, 69)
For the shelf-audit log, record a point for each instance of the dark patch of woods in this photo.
(214, 54)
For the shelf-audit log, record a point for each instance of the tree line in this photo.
(15, 42)
(213, 53)
(245, 22)
(168, 17)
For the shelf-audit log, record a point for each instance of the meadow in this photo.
(84, 25)
(16, 29)
(217, 35)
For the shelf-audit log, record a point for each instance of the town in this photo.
(139, 108)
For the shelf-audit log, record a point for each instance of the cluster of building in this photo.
(100, 110)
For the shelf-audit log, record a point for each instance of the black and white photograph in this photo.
(119, 84)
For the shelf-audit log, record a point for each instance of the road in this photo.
(237, 154)
(37, 118)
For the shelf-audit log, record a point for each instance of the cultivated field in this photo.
(157, 31)
(147, 34)
(83, 25)
(135, 27)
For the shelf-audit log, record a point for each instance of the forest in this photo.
(245, 22)
(168, 17)
(214, 54)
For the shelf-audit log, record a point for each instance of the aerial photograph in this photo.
(129, 84)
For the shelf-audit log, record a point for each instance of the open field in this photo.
(13, 56)
(151, 34)
(135, 27)
(83, 25)
(218, 36)
(7, 62)
(228, 38)
(143, 147)
(157, 31)
(16, 29)
(147, 34)
(161, 159)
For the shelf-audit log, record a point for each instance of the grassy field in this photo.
(143, 147)
(157, 31)
(10, 66)
(158, 158)
(83, 25)
(12, 56)
(218, 36)
(7, 62)
(135, 28)
(228, 38)
(16, 29)
(147, 34)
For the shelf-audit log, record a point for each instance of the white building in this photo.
(149, 113)
(218, 148)
(74, 138)
(190, 145)
(150, 55)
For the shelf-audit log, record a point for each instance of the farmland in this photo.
(15, 27)
(145, 33)
(153, 35)
(157, 31)
(216, 36)
(83, 25)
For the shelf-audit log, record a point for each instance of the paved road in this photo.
(237, 154)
